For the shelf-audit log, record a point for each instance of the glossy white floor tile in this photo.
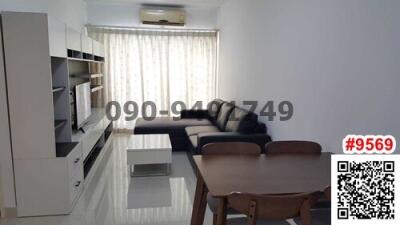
(113, 198)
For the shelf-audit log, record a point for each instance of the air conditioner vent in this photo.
(165, 17)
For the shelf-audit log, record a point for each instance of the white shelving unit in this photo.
(42, 56)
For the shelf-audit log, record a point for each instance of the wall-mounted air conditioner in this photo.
(166, 17)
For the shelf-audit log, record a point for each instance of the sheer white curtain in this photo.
(159, 66)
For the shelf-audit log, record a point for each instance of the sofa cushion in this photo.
(200, 129)
(223, 115)
(194, 114)
(261, 128)
(213, 108)
(242, 121)
(167, 125)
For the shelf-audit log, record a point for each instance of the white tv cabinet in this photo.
(43, 61)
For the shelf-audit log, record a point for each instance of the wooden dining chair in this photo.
(321, 211)
(300, 147)
(322, 200)
(231, 148)
(297, 147)
(260, 208)
(227, 148)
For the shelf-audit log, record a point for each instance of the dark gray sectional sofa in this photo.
(221, 122)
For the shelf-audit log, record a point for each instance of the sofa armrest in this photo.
(194, 114)
(206, 138)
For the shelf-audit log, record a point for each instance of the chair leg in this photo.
(221, 218)
(215, 217)
(305, 214)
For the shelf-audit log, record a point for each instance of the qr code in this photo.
(365, 188)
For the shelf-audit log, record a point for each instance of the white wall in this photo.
(127, 14)
(336, 60)
(7, 191)
(1, 195)
(71, 12)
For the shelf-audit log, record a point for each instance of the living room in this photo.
(191, 112)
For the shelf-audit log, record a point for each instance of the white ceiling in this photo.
(212, 3)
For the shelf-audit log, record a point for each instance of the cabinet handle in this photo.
(77, 160)
(78, 184)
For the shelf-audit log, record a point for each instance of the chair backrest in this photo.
(231, 148)
(272, 207)
(298, 147)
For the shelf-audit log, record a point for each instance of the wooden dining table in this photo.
(222, 175)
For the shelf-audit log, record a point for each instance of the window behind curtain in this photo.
(159, 66)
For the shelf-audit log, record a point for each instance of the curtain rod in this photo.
(152, 29)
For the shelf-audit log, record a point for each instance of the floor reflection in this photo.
(149, 192)
(113, 198)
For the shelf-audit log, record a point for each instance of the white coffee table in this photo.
(149, 155)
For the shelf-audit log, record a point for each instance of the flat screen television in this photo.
(82, 104)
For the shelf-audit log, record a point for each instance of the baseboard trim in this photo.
(9, 213)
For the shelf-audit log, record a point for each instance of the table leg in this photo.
(200, 202)
(221, 216)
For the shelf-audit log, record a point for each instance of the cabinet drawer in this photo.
(87, 44)
(73, 40)
(92, 137)
(76, 186)
(57, 38)
(98, 49)
(75, 160)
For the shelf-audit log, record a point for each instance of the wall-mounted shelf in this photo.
(98, 58)
(88, 56)
(73, 54)
(58, 89)
(86, 60)
(96, 88)
(98, 75)
(90, 76)
(79, 59)
(59, 123)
